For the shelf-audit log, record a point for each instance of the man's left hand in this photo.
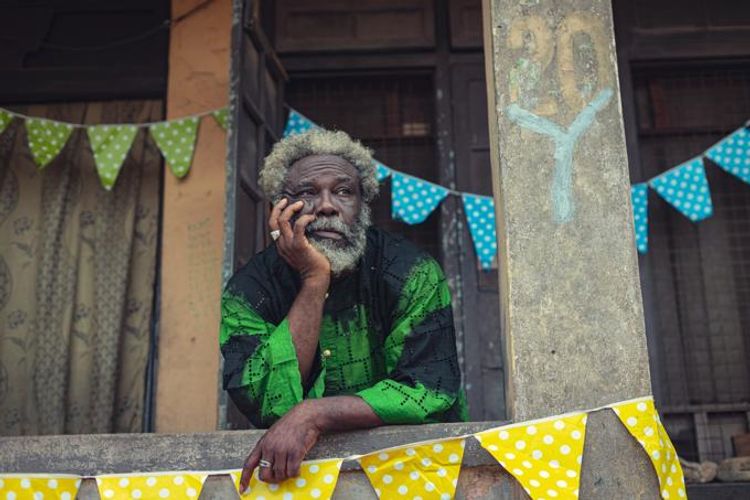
(284, 445)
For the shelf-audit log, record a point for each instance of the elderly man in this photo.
(337, 325)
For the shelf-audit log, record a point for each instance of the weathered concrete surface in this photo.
(605, 453)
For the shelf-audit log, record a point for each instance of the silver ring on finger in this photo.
(275, 234)
(265, 464)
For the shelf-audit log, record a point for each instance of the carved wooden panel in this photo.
(466, 23)
(303, 26)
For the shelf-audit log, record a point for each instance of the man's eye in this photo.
(304, 192)
(344, 191)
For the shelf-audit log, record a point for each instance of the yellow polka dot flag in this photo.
(317, 479)
(46, 139)
(543, 455)
(110, 145)
(175, 485)
(641, 419)
(222, 117)
(176, 141)
(427, 471)
(5, 119)
(34, 486)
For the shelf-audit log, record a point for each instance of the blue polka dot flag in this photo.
(480, 212)
(733, 154)
(412, 199)
(639, 196)
(685, 187)
(298, 123)
(381, 171)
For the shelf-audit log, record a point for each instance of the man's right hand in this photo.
(293, 245)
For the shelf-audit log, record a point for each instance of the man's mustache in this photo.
(333, 223)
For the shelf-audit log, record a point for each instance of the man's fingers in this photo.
(293, 462)
(301, 224)
(273, 219)
(250, 464)
(279, 466)
(286, 228)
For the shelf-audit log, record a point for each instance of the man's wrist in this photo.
(317, 284)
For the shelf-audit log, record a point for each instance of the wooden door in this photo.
(257, 121)
(483, 355)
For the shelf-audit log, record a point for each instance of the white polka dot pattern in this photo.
(642, 421)
(317, 479)
(222, 117)
(381, 171)
(480, 213)
(426, 471)
(733, 154)
(298, 123)
(176, 141)
(639, 197)
(28, 487)
(685, 187)
(110, 145)
(412, 199)
(5, 119)
(46, 139)
(182, 485)
(543, 455)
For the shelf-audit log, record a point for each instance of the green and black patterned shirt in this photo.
(386, 336)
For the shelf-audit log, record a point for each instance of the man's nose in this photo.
(325, 205)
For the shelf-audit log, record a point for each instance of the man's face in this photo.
(330, 189)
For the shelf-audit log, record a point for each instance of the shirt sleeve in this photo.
(423, 378)
(261, 370)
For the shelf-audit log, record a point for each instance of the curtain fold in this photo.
(77, 268)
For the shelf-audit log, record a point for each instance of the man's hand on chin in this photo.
(284, 446)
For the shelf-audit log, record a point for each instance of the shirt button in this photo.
(327, 353)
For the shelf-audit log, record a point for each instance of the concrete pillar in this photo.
(570, 294)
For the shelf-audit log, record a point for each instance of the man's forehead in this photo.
(313, 164)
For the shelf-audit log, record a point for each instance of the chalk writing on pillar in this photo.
(565, 142)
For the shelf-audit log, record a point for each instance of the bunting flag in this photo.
(176, 140)
(381, 171)
(427, 471)
(639, 198)
(412, 199)
(642, 421)
(543, 455)
(480, 212)
(297, 123)
(317, 479)
(154, 485)
(222, 117)
(46, 139)
(733, 154)
(5, 119)
(685, 187)
(35, 486)
(110, 144)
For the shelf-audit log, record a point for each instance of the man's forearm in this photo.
(340, 413)
(304, 319)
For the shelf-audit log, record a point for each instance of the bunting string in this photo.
(545, 456)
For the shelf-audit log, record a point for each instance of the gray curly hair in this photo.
(317, 142)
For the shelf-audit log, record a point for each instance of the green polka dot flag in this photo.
(176, 140)
(222, 117)
(5, 119)
(46, 139)
(110, 144)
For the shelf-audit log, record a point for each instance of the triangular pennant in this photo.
(685, 187)
(155, 485)
(297, 123)
(46, 139)
(642, 421)
(5, 119)
(733, 154)
(317, 479)
(427, 471)
(381, 171)
(412, 199)
(222, 117)
(176, 140)
(110, 144)
(639, 198)
(543, 455)
(480, 213)
(35, 486)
